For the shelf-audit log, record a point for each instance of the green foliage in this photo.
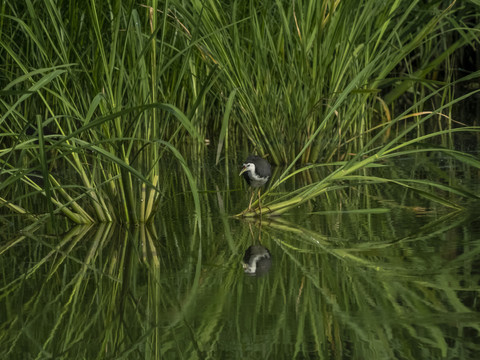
(95, 96)
(97, 102)
(316, 72)
(105, 110)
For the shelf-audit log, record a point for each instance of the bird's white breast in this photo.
(255, 180)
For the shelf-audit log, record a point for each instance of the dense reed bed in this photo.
(128, 112)
(96, 96)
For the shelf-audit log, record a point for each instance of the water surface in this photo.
(370, 271)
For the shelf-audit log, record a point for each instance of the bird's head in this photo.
(248, 167)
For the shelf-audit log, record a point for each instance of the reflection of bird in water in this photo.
(256, 172)
(257, 260)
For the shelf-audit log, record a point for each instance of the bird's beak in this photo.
(243, 170)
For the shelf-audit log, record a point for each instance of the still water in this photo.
(370, 271)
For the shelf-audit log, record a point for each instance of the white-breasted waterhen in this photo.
(257, 260)
(256, 172)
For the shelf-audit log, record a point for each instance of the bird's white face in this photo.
(248, 167)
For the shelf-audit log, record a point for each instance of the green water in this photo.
(369, 271)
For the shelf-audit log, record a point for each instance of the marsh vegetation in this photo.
(122, 128)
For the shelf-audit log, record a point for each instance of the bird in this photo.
(257, 260)
(256, 171)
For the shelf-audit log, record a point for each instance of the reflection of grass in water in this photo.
(158, 291)
(382, 299)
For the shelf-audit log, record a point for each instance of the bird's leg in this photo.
(249, 205)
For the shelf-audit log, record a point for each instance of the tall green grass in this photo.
(96, 86)
(319, 72)
(94, 96)
(375, 152)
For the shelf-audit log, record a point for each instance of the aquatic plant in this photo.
(97, 97)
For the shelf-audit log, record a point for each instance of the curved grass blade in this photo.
(224, 130)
